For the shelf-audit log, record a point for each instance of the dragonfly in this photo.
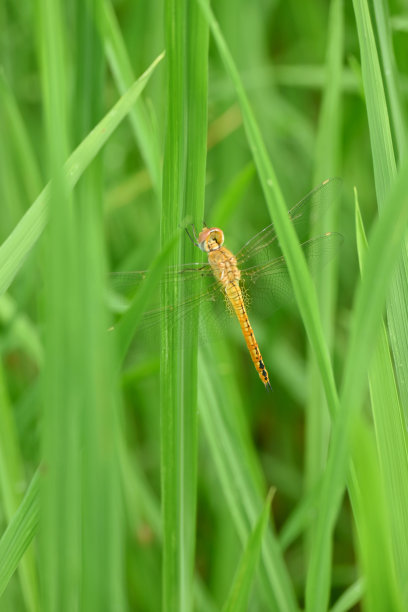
(258, 271)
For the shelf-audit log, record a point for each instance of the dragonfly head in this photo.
(210, 239)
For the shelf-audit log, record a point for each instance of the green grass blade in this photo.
(240, 589)
(390, 434)
(382, 257)
(16, 247)
(102, 533)
(80, 545)
(384, 174)
(124, 76)
(328, 136)
(29, 168)
(239, 486)
(195, 99)
(350, 597)
(19, 533)
(11, 479)
(125, 329)
(302, 284)
(327, 162)
(380, 132)
(369, 508)
(397, 113)
(300, 518)
(183, 193)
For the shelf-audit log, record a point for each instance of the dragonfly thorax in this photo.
(210, 239)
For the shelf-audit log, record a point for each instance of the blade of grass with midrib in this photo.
(175, 588)
(102, 578)
(60, 550)
(183, 194)
(327, 160)
(195, 96)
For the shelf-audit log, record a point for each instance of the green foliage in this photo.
(135, 462)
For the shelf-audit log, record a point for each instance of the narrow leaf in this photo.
(239, 593)
(19, 533)
(16, 247)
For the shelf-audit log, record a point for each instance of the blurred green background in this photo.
(148, 470)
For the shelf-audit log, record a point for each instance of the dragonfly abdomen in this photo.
(234, 295)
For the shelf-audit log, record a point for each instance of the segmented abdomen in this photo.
(234, 294)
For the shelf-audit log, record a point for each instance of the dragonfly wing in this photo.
(207, 294)
(264, 246)
(269, 283)
(187, 274)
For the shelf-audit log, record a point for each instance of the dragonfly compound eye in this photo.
(210, 239)
(217, 235)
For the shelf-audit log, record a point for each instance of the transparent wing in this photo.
(269, 283)
(208, 294)
(265, 285)
(211, 293)
(182, 274)
(264, 246)
(264, 272)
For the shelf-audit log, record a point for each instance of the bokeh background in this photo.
(88, 434)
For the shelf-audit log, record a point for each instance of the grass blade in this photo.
(327, 162)
(195, 154)
(19, 533)
(26, 158)
(183, 193)
(126, 327)
(382, 258)
(390, 435)
(350, 597)
(398, 116)
(369, 509)
(15, 249)
(239, 486)
(11, 479)
(122, 70)
(239, 594)
(80, 545)
(384, 174)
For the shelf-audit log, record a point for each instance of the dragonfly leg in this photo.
(192, 237)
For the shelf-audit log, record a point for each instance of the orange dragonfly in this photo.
(258, 270)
